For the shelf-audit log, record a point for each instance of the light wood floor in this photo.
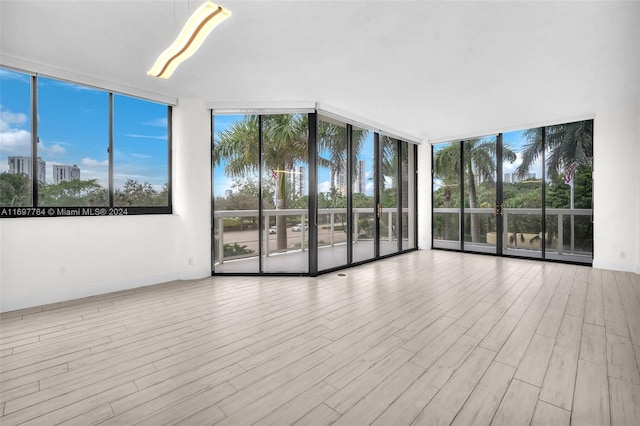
(426, 338)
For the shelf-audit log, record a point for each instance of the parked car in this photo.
(272, 230)
(298, 227)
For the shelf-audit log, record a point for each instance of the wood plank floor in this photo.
(426, 338)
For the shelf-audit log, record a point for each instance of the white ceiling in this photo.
(429, 69)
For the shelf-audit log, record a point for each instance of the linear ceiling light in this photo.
(195, 31)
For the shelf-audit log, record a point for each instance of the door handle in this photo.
(498, 209)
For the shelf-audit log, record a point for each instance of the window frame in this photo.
(110, 209)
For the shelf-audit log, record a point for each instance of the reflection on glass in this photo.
(522, 191)
(75, 155)
(479, 160)
(569, 153)
(235, 192)
(388, 187)
(141, 152)
(284, 161)
(408, 189)
(446, 195)
(363, 185)
(332, 194)
(15, 141)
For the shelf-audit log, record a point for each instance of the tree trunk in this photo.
(447, 204)
(281, 221)
(473, 203)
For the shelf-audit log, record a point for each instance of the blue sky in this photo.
(516, 141)
(73, 128)
(221, 182)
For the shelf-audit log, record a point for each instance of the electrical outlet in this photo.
(190, 261)
(623, 255)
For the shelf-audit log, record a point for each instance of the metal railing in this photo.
(510, 212)
(220, 215)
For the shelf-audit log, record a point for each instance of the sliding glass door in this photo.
(305, 194)
(524, 193)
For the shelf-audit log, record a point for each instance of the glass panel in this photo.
(408, 191)
(73, 133)
(569, 153)
(332, 194)
(363, 247)
(388, 185)
(15, 140)
(479, 159)
(235, 192)
(446, 195)
(284, 157)
(522, 190)
(141, 152)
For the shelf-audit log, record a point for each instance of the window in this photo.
(73, 137)
(16, 168)
(140, 154)
(94, 152)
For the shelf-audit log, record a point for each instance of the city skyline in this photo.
(73, 128)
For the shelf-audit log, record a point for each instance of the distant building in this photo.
(360, 184)
(299, 181)
(228, 193)
(65, 173)
(360, 179)
(340, 179)
(514, 177)
(22, 165)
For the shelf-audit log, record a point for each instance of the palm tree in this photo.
(569, 144)
(284, 142)
(333, 140)
(479, 165)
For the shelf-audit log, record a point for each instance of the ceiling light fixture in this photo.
(195, 31)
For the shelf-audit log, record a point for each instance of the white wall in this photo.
(47, 260)
(617, 190)
(424, 196)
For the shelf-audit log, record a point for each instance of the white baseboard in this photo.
(63, 295)
(617, 266)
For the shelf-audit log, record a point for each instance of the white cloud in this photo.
(54, 150)
(11, 75)
(15, 141)
(158, 122)
(368, 189)
(9, 119)
(90, 162)
(324, 186)
(140, 156)
(134, 135)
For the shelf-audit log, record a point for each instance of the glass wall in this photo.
(93, 152)
(289, 201)
(408, 177)
(16, 167)
(388, 187)
(446, 195)
(480, 165)
(140, 154)
(285, 150)
(363, 189)
(524, 193)
(236, 191)
(333, 182)
(522, 189)
(568, 191)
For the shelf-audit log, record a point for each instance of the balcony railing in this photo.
(301, 215)
(556, 246)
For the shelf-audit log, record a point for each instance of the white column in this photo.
(192, 187)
